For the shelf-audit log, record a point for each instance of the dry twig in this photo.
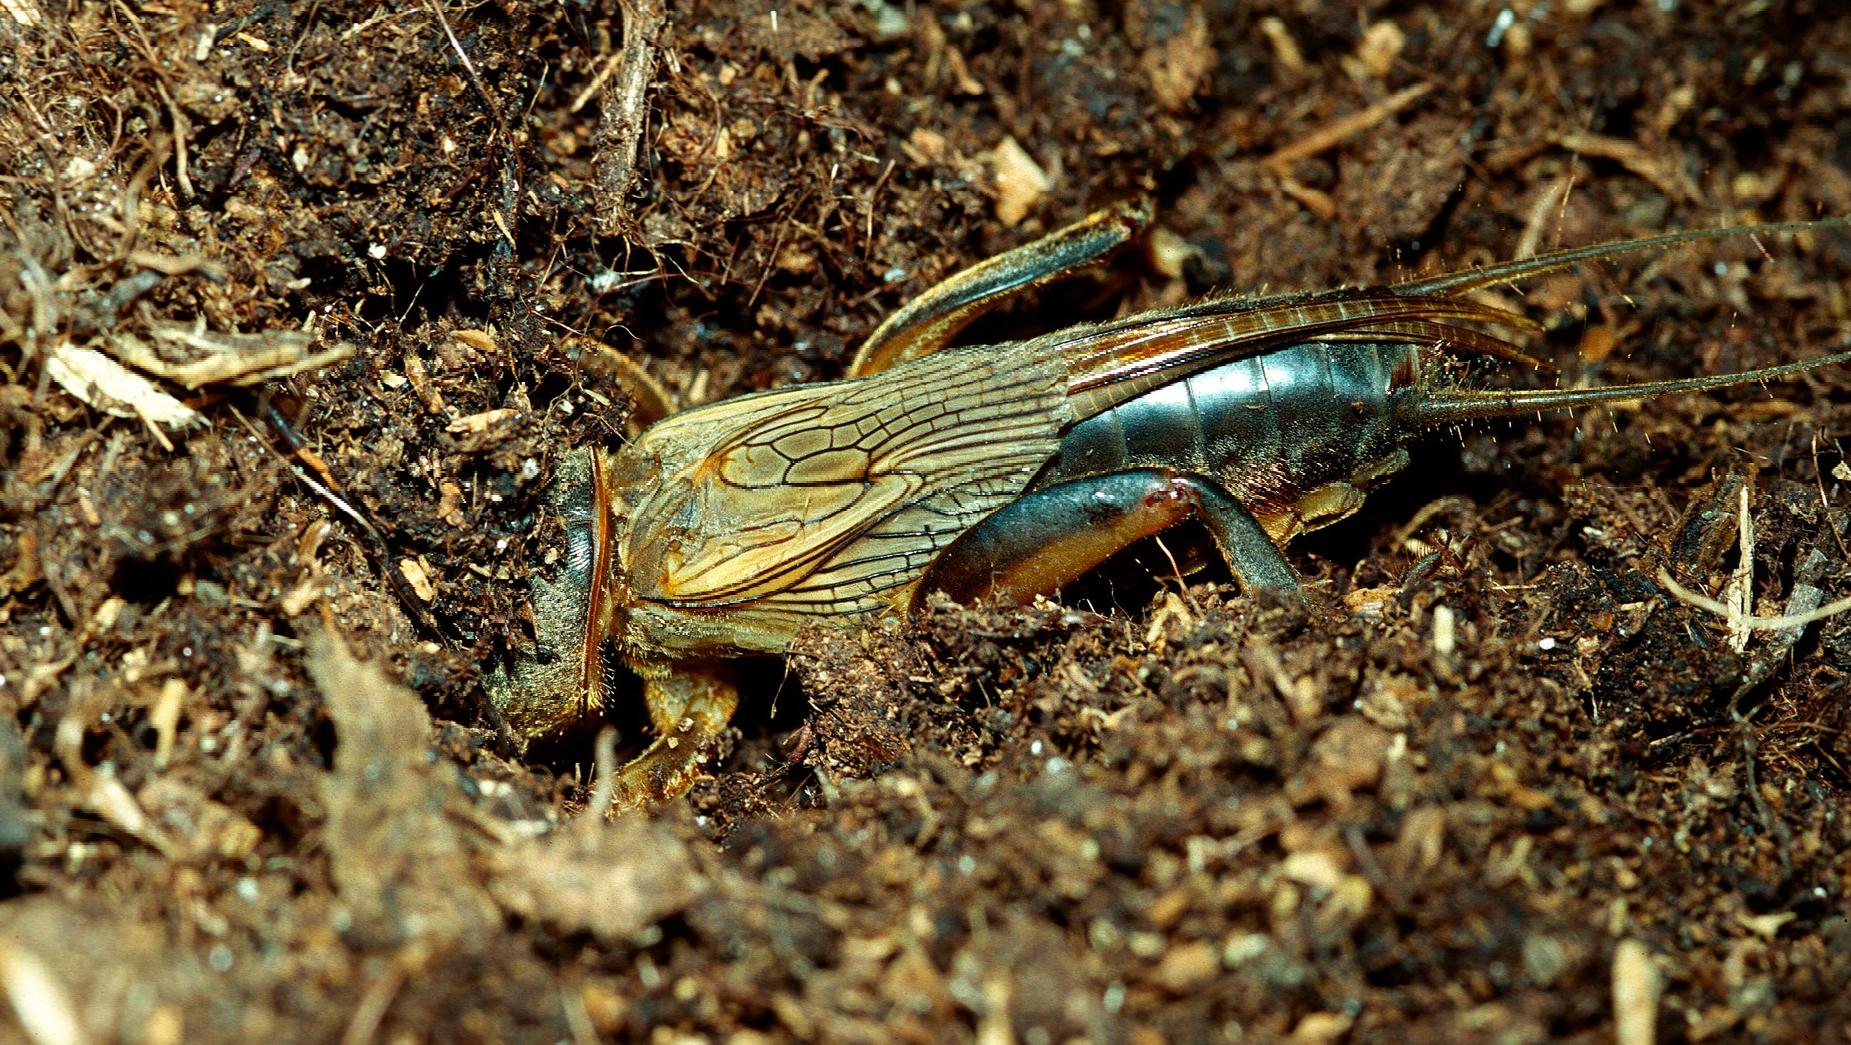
(623, 104)
(1336, 131)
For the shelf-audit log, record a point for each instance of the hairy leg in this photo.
(689, 708)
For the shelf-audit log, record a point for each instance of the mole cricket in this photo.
(1002, 471)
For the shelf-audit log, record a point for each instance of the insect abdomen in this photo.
(1289, 433)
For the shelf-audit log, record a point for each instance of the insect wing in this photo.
(854, 482)
(1112, 362)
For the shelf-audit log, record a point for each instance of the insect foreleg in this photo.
(689, 709)
(929, 322)
(1049, 538)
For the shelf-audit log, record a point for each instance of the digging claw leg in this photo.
(689, 709)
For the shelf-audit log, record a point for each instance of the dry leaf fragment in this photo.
(25, 12)
(226, 358)
(610, 880)
(113, 388)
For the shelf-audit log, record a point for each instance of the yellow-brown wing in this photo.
(842, 491)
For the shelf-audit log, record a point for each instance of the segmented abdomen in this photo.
(1294, 435)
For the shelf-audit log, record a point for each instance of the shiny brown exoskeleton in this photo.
(998, 471)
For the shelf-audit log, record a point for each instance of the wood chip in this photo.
(1169, 252)
(38, 1000)
(165, 718)
(1323, 1027)
(1337, 130)
(483, 421)
(1445, 631)
(1380, 46)
(1285, 49)
(1020, 181)
(480, 339)
(419, 577)
(301, 597)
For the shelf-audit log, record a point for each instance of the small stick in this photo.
(1739, 593)
(1632, 156)
(1539, 215)
(623, 104)
(1337, 130)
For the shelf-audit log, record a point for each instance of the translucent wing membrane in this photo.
(1114, 362)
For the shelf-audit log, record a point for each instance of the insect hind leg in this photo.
(1044, 540)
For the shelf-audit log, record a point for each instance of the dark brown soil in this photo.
(1493, 781)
